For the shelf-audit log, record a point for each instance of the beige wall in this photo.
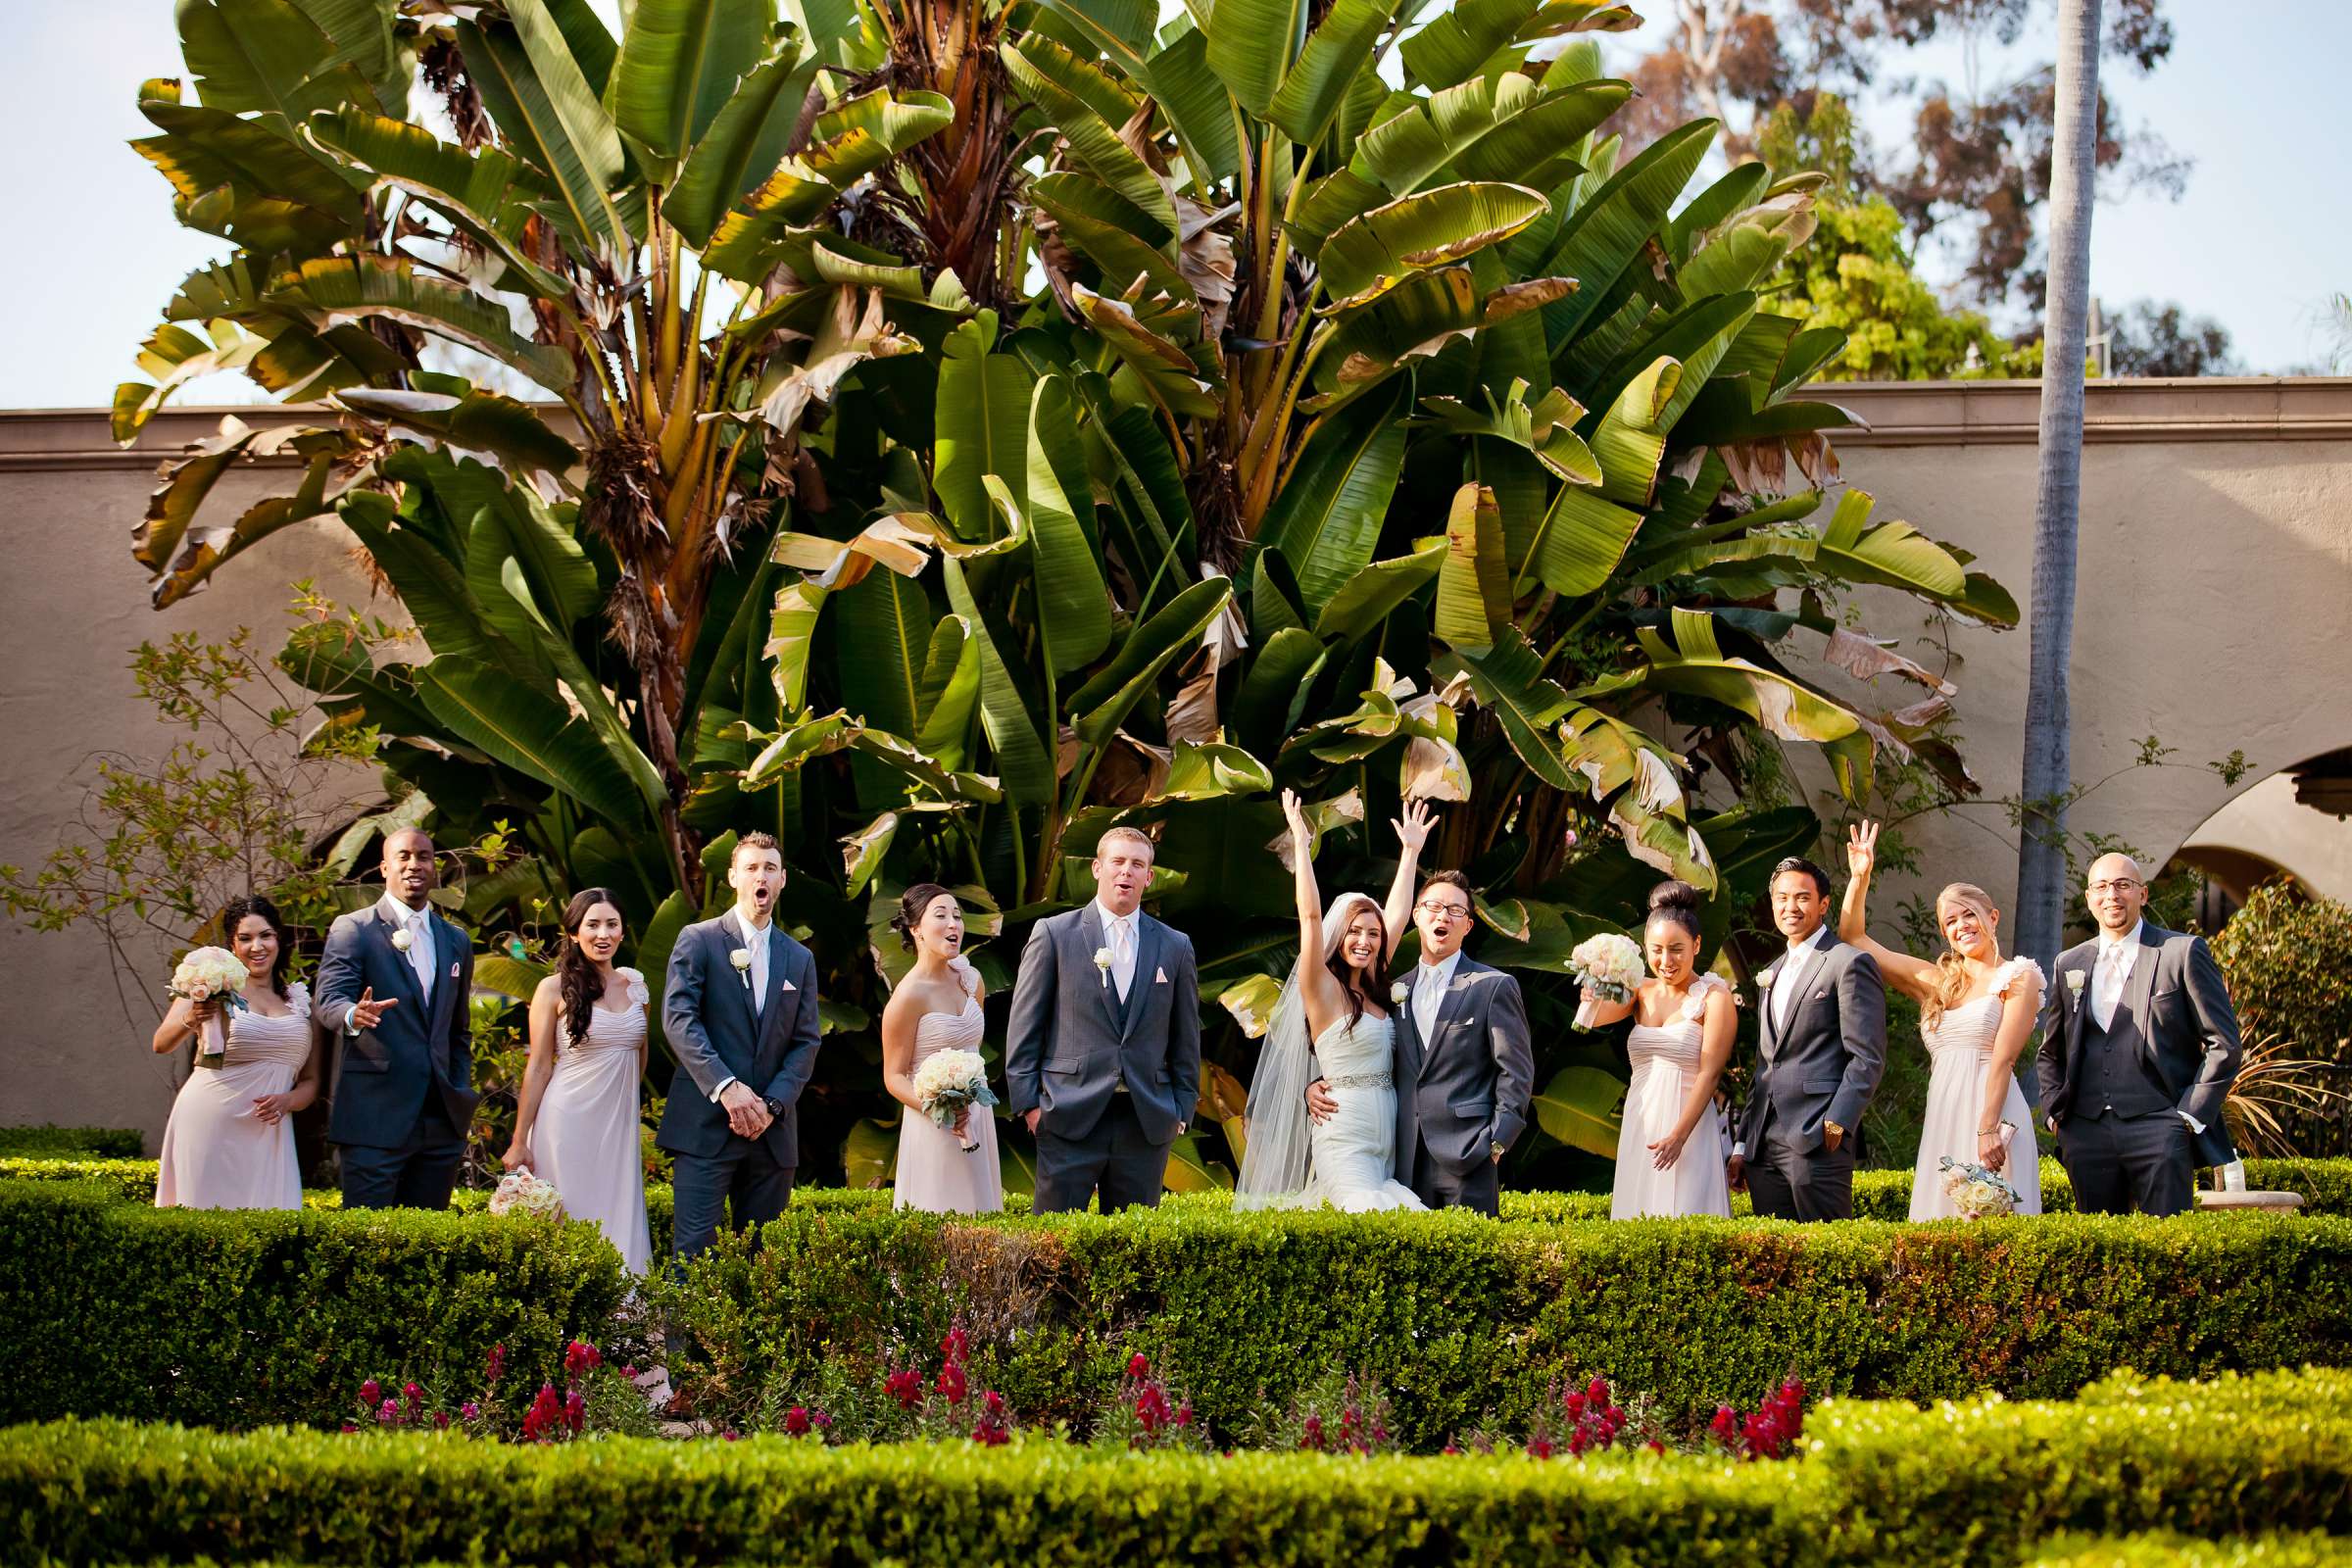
(2215, 588)
(2216, 581)
(74, 604)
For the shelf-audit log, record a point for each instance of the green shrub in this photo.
(2168, 1550)
(1977, 1484)
(50, 1139)
(1467, 1322)
(237, 1319)
(2289, 960)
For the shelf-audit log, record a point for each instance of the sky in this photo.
(2254, 91)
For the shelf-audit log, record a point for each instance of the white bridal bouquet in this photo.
(947, 1082)
(522, 1192)
(1979, 1193)
(211, 974)
(1609, 965)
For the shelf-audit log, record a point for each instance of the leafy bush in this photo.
(242, 1318)
(2289, 960)
(49, 1141)
(2167, 1549)
(1977, 1484)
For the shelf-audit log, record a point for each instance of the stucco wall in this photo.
(2216, 582)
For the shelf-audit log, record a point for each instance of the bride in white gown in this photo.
(1334, 1023)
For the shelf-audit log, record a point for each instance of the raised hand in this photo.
(1861, 847)
(1296, 814)
(1413, 831)
(367, 1012)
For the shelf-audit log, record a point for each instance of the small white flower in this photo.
(1103, 963)
(402, 941)
(1764, 981)
(1399, 992)
(741, 958)
(2075, 979)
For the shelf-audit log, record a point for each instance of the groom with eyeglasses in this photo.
(2138, 1050)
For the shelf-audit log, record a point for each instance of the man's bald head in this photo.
(2116, 892)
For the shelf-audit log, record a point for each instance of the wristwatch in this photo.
(1499, 1147)
(775, 1107)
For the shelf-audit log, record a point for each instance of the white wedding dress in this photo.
(1352, 1164)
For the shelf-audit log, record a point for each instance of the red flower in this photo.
(952, 1383)
(731, 1435)
(496, 1366)
(348, 1427)
(387, 1413)
(905, 1387)
(1310, 1434)
(1449, 1448)
(371, 1393)
(581, 1358)
(1184, 1414)
(441, 1421)
(546, 1414)
(1596, 1393)
(796, 1422)
(1655, 1446)
(576, 1410)
(1540, 1447)
(1136, 1366)
(955, 1346)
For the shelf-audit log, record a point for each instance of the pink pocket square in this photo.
(1819, 994)
(453, 969)
(1160, 979)
(789, 986)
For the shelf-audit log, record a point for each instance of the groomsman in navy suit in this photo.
(393, 984)
(741, 1013)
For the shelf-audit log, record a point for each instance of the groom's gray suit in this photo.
(2119, 1094)
(1821, 1065)
(719, 1035)
(1115, 1079)
(1465, 1090)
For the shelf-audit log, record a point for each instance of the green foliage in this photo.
(2170, 1549)
(2289, 960)
(240, 1319)
(1972, 1485)
(49, 1141)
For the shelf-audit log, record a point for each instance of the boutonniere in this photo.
(402, 941)
(1397, 994)
(1764, 981)
(2075, 979)
(741, 958)
(1103, 963)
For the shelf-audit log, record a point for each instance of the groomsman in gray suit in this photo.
(1103, 1051)
(1821, 1046)
(393, 982)
(2138, 1050)
(741, 1013)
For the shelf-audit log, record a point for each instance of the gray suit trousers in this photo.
(1114, 1158)
(2120, 1163)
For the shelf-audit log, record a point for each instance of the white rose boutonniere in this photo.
(1764, 981)
(402, 941)
(1102, 964)
(1398, 993)
(2074, 981)
(741, 958)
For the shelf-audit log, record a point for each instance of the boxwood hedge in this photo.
(1973, 1484)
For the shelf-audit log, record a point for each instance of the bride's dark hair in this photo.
(1358, 983)
(575, 972)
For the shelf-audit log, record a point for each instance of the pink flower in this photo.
(371, 1393)
(796, 1422)
(581, 1358)
(387, 1413)
(440, 1420)
(470, 1411)
(731, 1435)
(1136, 1366)
(496, 1366)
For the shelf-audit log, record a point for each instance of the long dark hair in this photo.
(576, 981)
(232, 915)
(911, 905)
(1355, 981)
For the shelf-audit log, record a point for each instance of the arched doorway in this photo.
(2296, 823)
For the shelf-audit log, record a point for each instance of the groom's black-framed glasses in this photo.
(1442, 907)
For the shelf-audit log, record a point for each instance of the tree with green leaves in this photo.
(973, 425)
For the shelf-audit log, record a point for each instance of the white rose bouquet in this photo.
(1609, 966)
(211, 974)
(522, 1192)
(1979, 1194)
(947, 1082)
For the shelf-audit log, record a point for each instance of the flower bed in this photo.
(238, 1319)
(1974, 1484)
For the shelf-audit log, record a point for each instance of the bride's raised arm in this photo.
(1411, 833)
(1318, 992)
(1911, 976)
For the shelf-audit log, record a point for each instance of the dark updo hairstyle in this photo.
(232, 915)
(576, 981)
(1677, 902)
(911, 905)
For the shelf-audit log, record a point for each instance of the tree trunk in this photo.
(2048, 764)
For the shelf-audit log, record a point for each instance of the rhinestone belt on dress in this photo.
(1361, 1080)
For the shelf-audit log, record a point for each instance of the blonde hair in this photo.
(1951, 970)
(1123, 831)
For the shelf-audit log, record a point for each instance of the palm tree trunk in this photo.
(2048, 764)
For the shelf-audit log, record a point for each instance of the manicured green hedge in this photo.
(1977, 1484)
(1468, 1322)
(2169, 1549)
(49, 1138)
(240, 1319)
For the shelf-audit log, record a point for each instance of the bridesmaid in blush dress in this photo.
(229, 1143)
(937, 1007)
(578, 1126)
(1670, 1154)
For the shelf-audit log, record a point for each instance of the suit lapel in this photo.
(1803, 979)
(771, 1012)
(1407, 1033)
(1090, 932)
(2077, 1006)
(445, 985)
(405, 971)
(1449, 1007)
(2140, 989)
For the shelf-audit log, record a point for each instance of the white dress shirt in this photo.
(421, 953)
(1784, 994)
(754, 942)
(1430, 981)
(1118, 935)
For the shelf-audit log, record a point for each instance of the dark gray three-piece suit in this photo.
(771, 1048)
(1823, 1066)
(403, 1091)
(1115, 1077)
(1463, 1090)
(2117, 1095)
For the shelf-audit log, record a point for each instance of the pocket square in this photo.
(789, 986)
(453, 969)
(1160, 979)
(1819, 994)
